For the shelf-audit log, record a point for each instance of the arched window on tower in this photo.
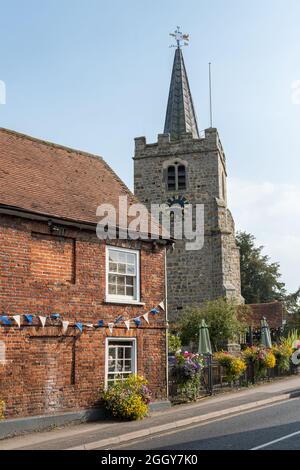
(176, 177)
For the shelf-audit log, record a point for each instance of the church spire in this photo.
(181, 116)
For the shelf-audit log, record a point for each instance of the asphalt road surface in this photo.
(275, 427)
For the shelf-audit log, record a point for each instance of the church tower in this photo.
(185, 164)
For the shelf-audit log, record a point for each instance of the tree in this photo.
(221, 316)
(260, 278)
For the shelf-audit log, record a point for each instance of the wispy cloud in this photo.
(272, 213)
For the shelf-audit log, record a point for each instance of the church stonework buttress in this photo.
(185, 164)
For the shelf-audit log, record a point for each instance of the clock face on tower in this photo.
(177, 201)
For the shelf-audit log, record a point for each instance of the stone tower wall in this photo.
(213, 271)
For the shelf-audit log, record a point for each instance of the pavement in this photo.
(207, 412)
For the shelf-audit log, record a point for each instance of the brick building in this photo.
(52, 263)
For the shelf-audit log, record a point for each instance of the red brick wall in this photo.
(52, 258)
(47, 371)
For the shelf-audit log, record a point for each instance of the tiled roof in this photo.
(54, 180)
(274, 313)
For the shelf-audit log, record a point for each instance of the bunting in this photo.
(146, 317)
(65, 325)
(79, 326)
(17, 319)
(43, 320)
(137, 321)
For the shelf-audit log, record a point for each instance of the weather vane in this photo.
(180, 38)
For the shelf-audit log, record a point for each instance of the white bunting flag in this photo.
(146, 317)
(162, 305)
(111, 327)
(17, 319)
(127, 324)
(65, 325)
(89, 325)
(43, 321)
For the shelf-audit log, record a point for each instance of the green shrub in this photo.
(224, 318)
(174, 344)
(128, 399)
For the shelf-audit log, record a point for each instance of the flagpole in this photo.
(210, 96)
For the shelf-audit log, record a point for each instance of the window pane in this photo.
(112, 289)
(121, 268)
(129, 280)
(120, 352)
(130, 269)
(128, 351)
(121, 280)
(111, 353)
(113, 267)
(112, 279)
(128, 366)
(122, 256)
(121, 290)
(129, 291)
(131, 258)
(113, 255)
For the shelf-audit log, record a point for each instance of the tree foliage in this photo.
(260, 278)
(221, 317)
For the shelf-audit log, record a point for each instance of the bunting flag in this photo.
(43, 320)
(17, 319)
(100, 323)
(162, 306)
(154, 311)
(29, 318)
(5, 320)
(55, 316)
(79, 326)
(137, 321)
(65, 325)
(127, 324)
(111, 327)
(119, 318)
(89, 325)
(146, 317)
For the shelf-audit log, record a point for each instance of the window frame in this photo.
(133, 357)
(124, 299)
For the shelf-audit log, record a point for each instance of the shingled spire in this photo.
(181, 116)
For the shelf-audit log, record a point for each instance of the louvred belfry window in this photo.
(176, 177)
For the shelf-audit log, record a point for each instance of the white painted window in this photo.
(120, 359)
(123, 276)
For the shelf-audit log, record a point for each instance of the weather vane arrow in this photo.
(180, 38)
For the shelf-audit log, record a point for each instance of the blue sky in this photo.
(94, 74)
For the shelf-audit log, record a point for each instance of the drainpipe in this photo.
(167, 326)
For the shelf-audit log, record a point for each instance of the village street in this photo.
(273, 427)
(238, 420)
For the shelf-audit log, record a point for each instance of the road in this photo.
(275, 427)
